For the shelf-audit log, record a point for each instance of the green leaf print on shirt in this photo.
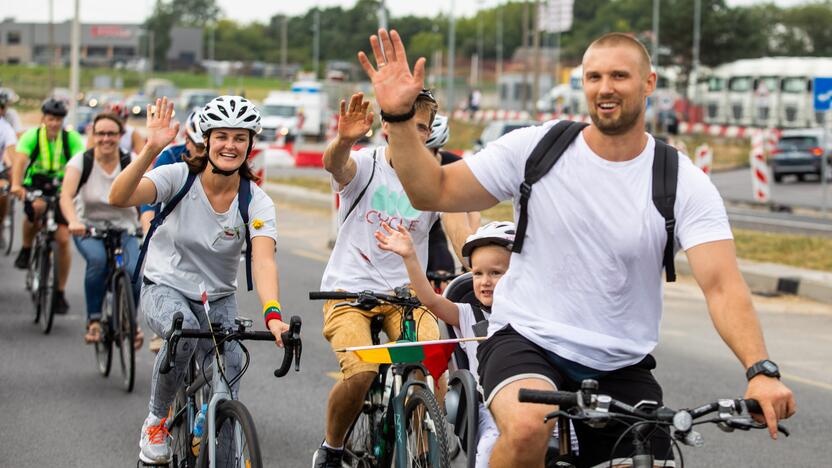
(393, 203)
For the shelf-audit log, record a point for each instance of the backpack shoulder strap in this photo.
(361, 195)
(124, 159)
(665, 177)
(160, 218)
(86, 170)
(65, 142)
(544, 156)
(243, 202)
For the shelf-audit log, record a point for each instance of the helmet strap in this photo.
(217, 170)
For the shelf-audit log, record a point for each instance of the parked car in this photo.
(137, 105)
(800, 152)
(497, 129)
(84, 116)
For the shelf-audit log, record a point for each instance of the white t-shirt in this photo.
(14, 120)
(588, 284)
(465, 329)
(356, 262)
(196, 244)
(126, 142)
(92, 201)
(7, 138)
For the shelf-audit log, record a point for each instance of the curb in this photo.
(762, 278)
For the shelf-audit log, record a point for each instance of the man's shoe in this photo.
(327, 458)
(22, 260)
(59, 304)
(155, 441)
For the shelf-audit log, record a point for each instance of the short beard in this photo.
(618, 126)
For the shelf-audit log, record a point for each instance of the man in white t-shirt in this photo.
(370, 194)
(584, 299)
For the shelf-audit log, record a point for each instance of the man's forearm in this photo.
(336, 157)
(18, 168)
(416, 167)
(736, 322)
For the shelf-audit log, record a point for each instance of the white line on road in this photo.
(806, 381)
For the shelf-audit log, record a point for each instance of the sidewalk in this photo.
(762, 278)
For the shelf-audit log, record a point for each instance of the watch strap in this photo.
(759, 367)
(393, 118)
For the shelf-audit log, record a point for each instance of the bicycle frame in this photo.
(398, 395)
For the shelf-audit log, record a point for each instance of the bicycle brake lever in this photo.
(172, 339)
(291, 342)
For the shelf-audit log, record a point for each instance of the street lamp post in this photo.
(451, 57)
(75, 69)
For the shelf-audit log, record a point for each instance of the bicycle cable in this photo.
(658, 426)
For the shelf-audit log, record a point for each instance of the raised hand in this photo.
(397, 240)
(355, 121)
(160, 131)
(396, 88)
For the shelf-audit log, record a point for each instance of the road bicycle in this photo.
(42, 274)
(230, 434)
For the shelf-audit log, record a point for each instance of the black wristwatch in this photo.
(765, 367)
(395, 118)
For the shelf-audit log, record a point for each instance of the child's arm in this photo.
(400, 242)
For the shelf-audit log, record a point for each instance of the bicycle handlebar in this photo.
(292, 344)
(402, 297)
(733, 413)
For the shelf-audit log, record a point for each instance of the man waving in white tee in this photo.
(584, 298)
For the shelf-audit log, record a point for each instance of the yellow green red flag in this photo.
(434, 355)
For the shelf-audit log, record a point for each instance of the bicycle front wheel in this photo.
(48, 273)
(33, 279)
(124, 329)
(427, 440)
(104, 346)
(366, 446)
(236, 443)
(180, 430)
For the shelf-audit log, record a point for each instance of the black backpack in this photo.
(552, 146)
(89, 160)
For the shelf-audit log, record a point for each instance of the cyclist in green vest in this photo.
(42, 154)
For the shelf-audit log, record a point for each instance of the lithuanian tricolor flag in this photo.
(434, 355)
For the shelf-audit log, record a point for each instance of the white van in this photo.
(301, 110)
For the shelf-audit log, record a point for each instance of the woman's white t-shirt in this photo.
(92, 200)
(356, 262)
(588, 284)
(196, 244)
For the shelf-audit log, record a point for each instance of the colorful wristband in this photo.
(271, 311)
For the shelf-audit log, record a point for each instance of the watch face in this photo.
(770, 367)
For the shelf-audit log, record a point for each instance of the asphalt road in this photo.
(57, 411)
(736, 186)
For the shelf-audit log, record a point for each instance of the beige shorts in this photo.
(347, 326)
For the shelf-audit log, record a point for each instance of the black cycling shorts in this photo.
(507, 355)
(47, 188)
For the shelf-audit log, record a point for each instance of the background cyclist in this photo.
(93, 209)
(42, 154)
(584, 299)
(8, 139)
(205, 233)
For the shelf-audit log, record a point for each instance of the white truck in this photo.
(302, 110)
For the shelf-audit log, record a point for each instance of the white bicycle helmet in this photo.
(230, 112)
(439, 133)
(192, 127)
(494, 233)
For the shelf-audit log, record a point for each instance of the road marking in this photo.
(673, 333)
(334, 375)
(311, 255)
(806, 381)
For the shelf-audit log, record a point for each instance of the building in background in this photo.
(103, 45)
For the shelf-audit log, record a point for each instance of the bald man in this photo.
(584, 298)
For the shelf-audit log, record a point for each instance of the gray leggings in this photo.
(159, 304)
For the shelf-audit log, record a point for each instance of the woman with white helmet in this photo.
(205, 233)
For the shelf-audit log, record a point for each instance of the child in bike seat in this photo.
(488, 251)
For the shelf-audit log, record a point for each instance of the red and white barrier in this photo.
(760, 174)
(704, 158)
(257, 163)
(679, 145)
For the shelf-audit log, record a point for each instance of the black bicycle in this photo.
(118, 311)
(400, 422)
(226, 419)
(597, 410)
(42, 274)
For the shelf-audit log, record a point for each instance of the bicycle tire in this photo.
(33, 280)
(104, 347)
(182, 454)
(231, 413)
(48, 269)
(9, 223)
(425, 427)
(124, 329)
(365, 433)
